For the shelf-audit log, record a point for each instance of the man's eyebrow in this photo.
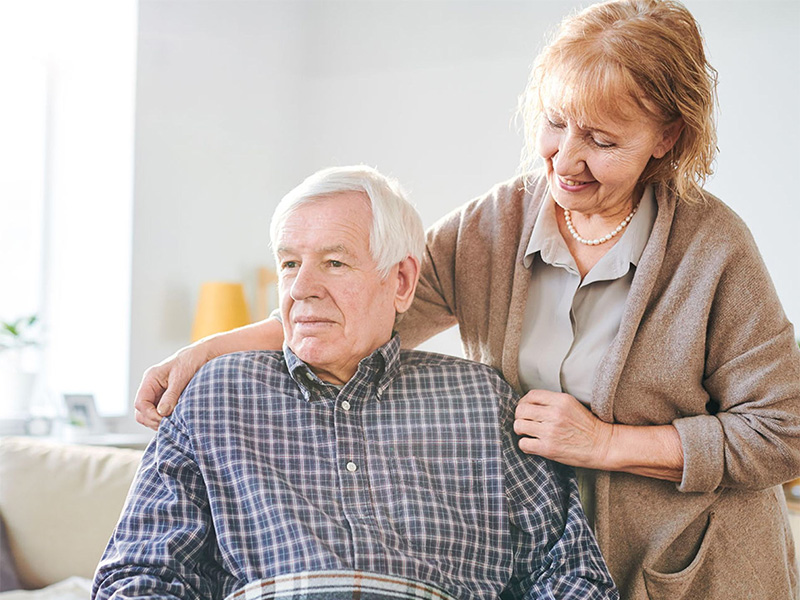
(336, 249)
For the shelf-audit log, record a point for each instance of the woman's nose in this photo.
(569, 159)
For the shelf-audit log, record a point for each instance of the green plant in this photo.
(19, 333)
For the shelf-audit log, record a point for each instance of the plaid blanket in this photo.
(338, 585)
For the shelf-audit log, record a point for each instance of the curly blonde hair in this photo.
(617, 55)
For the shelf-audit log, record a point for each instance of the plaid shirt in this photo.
(411, 469)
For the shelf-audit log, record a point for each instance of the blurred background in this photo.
(144, 145)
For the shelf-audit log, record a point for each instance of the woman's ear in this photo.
(669, 136)
(407, 278)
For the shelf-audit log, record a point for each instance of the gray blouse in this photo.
(569, 323)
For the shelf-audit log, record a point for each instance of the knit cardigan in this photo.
(704, 344)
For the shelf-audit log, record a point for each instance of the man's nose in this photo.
(307, 283)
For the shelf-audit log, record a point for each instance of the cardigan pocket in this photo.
(706, 573)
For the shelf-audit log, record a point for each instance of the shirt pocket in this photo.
(438, 505)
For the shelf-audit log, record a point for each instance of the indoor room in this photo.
(145, 144)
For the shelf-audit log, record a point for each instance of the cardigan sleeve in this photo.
(433, 309)
(469, 269)
(750, 436)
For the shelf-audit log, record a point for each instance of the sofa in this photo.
(59, 504)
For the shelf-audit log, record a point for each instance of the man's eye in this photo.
(289, 264)
(335, 263)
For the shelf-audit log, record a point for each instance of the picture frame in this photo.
(82, 413)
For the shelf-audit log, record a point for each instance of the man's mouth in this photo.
(311, 320)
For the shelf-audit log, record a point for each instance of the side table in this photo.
(134, 441)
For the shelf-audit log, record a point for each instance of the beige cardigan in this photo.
(704, 344)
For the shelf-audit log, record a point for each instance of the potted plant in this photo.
(17, 377)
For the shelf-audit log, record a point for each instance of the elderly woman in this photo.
(630, 307)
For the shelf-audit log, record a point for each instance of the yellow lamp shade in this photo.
(221, 307)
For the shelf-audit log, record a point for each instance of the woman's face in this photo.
(594, 168)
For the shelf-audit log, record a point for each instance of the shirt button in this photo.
(345, 405)
(352, 467)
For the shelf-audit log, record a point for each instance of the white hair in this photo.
(396, 231)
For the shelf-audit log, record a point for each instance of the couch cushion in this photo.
(60, 504)
(8, 570)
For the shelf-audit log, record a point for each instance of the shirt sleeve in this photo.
(164, 544)
(750, 436)
(555, 552)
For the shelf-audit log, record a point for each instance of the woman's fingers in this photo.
(149, 394)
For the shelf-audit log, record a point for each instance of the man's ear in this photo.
(407, 278)
(669, 136)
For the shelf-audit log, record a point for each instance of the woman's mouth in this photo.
(572, 185)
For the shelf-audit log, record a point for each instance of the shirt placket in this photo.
(354, 477)
(564, 323)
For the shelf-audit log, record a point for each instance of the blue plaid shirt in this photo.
(411, 469)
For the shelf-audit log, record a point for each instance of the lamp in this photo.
(221, 307)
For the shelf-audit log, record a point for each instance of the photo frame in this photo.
(82, 413)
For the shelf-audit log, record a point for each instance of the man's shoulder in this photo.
(452, 368)
(229, 388)
(436, 360)
(228, 375)
(453, 387)
(242, 363)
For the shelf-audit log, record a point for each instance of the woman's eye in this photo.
(555, 124)
(602, 144)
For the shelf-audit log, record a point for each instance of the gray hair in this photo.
(396, 231)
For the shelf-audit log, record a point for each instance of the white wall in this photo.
(755, 46)
(238, 100)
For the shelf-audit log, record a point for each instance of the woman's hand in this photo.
(558, 427)
(163, 384)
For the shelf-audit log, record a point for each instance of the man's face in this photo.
(336, 308)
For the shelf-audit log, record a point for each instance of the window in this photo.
(67, 196)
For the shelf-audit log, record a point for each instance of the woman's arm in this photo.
(431, 312)
(163, 383)
(558, 427)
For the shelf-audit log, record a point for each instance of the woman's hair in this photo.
(623, 54)
(396, 231)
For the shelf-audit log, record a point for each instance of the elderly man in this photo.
(343, 467)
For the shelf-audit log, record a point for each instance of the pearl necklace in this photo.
(601, 240)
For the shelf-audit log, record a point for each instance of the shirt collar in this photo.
(380, 368)
(547, 241)
(546, 238)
